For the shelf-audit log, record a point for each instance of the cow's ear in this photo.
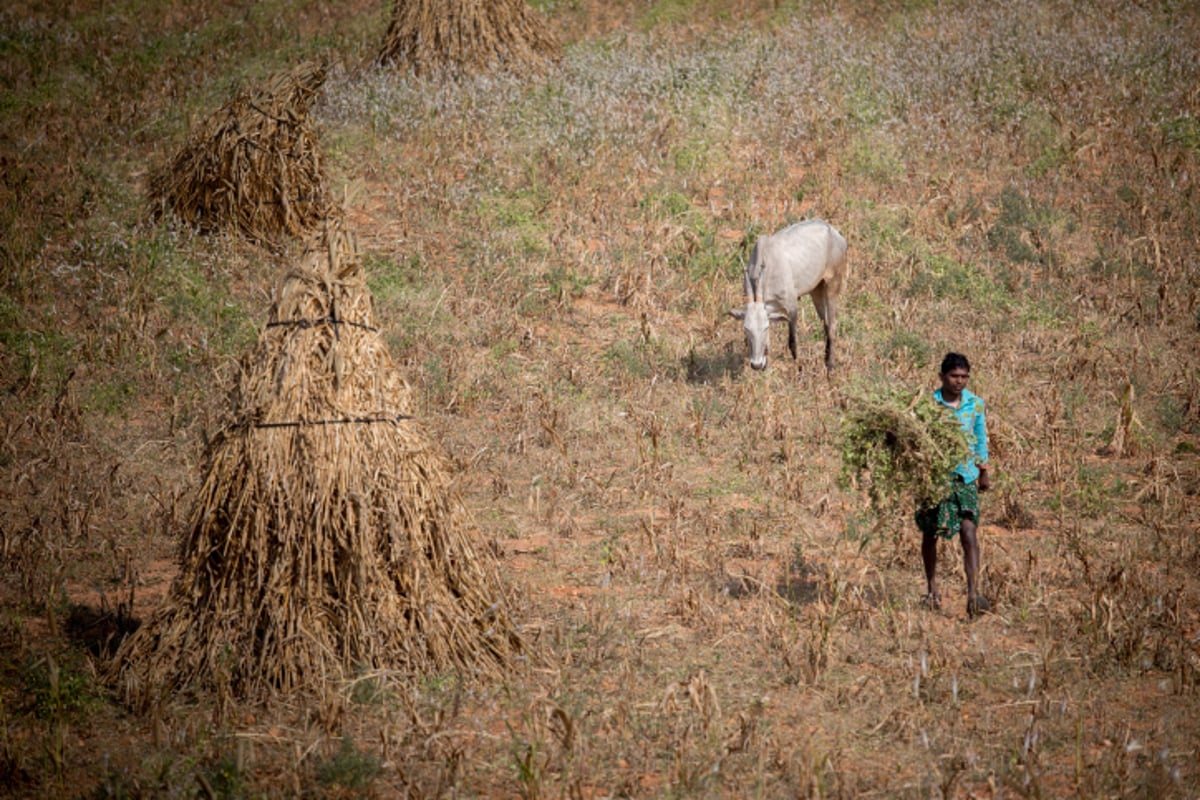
(737, 313)
(776, 316)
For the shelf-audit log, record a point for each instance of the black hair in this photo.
(954, 361)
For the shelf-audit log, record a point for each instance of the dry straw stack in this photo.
(467, 35)
(326, 537)
(254, 165)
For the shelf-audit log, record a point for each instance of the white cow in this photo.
(806, 258)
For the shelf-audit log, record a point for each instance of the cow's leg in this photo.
(791, 321)
(826, 309)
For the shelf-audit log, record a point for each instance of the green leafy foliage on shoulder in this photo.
(899, 446)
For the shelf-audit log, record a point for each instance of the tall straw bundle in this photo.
(254, 165)
(326, 536)
(467, 35)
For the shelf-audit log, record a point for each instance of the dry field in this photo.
(711, 611)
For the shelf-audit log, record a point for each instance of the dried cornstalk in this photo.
(467, 35)
(254, 165)
(1123, 442)
(326, 536)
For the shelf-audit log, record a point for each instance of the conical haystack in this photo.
(326, 537)
(254, 165)
(467, 35)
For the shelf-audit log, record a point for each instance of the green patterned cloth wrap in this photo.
(945, 519)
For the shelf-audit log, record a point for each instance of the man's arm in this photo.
(981, 448)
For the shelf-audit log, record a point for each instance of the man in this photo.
(958, 513)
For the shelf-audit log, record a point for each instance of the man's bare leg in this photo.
(929, 556)
(970, 546)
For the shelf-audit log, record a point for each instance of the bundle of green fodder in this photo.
(900, 447)
(327, 537)
(467, 36)
(253, 166)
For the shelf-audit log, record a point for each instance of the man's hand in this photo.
(985, 482)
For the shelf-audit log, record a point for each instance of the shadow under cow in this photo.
(710, 368)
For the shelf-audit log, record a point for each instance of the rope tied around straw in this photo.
(348, 421)
(328, 319)
(269, 115)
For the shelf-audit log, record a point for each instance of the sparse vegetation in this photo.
(551, 257)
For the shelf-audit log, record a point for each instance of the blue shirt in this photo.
(970, 415)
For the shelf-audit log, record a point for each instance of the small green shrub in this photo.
(1170, 415)
(868, 105)
(516, 219)
(562, 282)
(195, 298)
(388, 279)
(369, 690)
(943, 277)
(112, 397)
(349, 768)
(627, 360)
(55, 690)
(42, 357)
(1043, 147)
(693, 156)
(908, 346)
(118, 785)
(875, 157)
(712, 261)
(1183, 130)
(666, 12)
(551, 288)
(1020, 224)
(665, 204)
(224, 778)
(1094, 491)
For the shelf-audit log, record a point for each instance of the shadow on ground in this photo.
(710, 368)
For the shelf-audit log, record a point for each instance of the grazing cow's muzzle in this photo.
(757, 325)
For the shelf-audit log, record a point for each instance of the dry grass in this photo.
(551, 259)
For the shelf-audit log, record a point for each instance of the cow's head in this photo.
(756, 322)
